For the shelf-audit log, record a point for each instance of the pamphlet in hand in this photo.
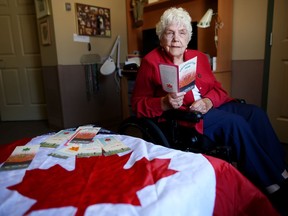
(178, 78)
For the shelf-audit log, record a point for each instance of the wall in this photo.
(249, 29)
(152, 15)
(63, 26)
(68, 104)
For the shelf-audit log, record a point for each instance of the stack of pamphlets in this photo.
(81, 142)
(85, 143)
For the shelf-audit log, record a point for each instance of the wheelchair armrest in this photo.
(240, 100)
(193, 116)
(181, 115)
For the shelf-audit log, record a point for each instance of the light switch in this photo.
(68, 6)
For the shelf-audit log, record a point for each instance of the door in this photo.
(277, 102)
(21, 84)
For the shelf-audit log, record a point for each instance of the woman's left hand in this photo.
(203, 105)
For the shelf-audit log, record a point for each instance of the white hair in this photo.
(177, 16)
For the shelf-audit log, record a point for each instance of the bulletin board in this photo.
(93, 20)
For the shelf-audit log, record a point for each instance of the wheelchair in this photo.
(171, 134)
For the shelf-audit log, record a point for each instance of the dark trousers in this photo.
(259, 154)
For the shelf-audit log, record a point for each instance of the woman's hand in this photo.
(172, 101)
(203, 105)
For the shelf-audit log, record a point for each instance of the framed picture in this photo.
(42, 8)
(45, 32)
(93, 20)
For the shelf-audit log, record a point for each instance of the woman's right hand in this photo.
(172, 101)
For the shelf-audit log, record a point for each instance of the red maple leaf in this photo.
(169, 85)
(94, 180)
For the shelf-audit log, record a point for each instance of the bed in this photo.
(145, 180)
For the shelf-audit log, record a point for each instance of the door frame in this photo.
(267, 54)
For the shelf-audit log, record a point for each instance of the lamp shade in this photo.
(206, 19)
(109, 66)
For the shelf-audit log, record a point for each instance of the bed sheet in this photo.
(146, 180)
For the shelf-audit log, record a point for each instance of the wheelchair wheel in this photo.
(145, 129)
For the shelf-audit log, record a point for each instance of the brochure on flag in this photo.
(20, 158)
(57, 139)
(66, 151)
(111, 145)
(84, 135)
(89, 150)
(93, 148)
(178, 78)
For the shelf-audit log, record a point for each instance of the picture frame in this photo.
(42, 8)
(45, 32)
(93, 20)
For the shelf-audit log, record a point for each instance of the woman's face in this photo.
(175, 40)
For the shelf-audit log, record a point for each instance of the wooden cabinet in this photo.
(127, 84)
(196, 8)
(224, 50)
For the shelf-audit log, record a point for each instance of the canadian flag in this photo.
(146, 180)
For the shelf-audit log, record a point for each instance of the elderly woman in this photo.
(245, 127)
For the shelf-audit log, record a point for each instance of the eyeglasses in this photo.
(171, 34)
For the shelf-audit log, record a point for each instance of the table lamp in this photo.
(109, 66)
(206, 20)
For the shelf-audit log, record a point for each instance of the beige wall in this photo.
(249, 26)
(64, 51)
(249, 29)
(68, 102)
(248, 49)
